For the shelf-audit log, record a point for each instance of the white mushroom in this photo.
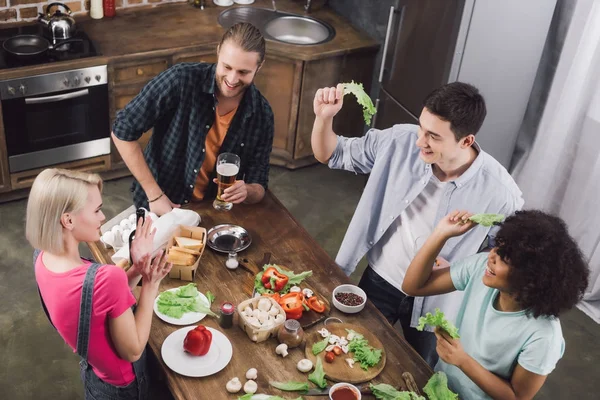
(330, 347)
(257, 295)
(282, 350)
(304, 365)
(307, 293)
(264, 304)
(234, 385)
(323, 332)
(334, 339)
(295, 289)
(252, 373)
(279, 318)
(248, 311)
(263, 316)
(350, 362)
(255, 313)
(253, 321)
(274, 310)
(351, 335)
(343, 341)
(268, 324)
(250, 387)
(345, 349)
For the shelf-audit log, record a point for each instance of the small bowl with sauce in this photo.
(344, 391)
(349, 299)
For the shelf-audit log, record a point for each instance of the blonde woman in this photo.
(90, 304)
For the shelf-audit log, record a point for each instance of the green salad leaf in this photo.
(439, 319)
(437, 388)
(290, 386)
(174, 305)
(365, 354)
(384, 391)
(319, 346)
(210, 297)
(487, 219)
(362, 98)
(189, 290)
(318, 375)
(293, 279)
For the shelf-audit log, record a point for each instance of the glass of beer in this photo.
(228, 166)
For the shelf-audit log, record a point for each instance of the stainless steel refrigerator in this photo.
(495, 45)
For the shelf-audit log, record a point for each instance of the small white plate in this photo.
(187, 318)
(223, 3)
(183, 363)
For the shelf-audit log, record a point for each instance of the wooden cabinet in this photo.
(4, 173)
(138, 72)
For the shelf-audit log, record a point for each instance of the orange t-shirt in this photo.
(214, 140)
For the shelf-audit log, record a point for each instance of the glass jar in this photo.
(226, 315)
(291, 333)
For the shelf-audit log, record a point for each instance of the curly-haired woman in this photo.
(511, 337)
(89, 304)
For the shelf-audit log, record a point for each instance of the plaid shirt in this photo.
(180, 105)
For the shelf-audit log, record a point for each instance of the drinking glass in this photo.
(228, 166)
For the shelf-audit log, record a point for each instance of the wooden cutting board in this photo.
(309, 318)
(339, 371)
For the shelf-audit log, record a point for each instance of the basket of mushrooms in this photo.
(260, 317)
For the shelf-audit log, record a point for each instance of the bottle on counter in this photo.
(226, 315)
(291, 333)
(109, 8)
(96, 9)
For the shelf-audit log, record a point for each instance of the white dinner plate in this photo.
(183, 363)
(187, 318)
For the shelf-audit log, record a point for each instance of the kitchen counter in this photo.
(169, 28)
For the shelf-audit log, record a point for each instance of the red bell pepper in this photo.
(292, 305)
(197, 341)
(315, 304)
(273, 279)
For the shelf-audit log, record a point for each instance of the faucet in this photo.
(274, 6)
(307, 6)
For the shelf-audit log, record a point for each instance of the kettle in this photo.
(61, 25)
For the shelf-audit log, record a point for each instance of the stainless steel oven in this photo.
(56, 118)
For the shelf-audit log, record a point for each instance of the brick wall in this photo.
(27, 10)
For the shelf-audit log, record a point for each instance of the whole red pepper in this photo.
(197, 341)
(272, 276)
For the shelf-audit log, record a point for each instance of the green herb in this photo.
(438, 320)
(362, 98)
(320, 346)
(384, 391)
(437, 388)
(210, 297)
(188, 290)
(293, 279)
(355, 335)
(318, 375)
(251, 396)
(487, 219)
(174, 305)
(365, 354)
(290, 386)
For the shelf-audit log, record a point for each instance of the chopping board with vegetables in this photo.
(289, 289)
(363, 347)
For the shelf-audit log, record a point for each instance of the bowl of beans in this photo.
(349, 299)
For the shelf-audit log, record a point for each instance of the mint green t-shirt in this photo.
(497, 340)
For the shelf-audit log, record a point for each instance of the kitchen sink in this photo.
(280, 26)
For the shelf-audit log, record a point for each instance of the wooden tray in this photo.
(309, 318)
(339, 371)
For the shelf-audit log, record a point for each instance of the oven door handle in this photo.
(58, 97)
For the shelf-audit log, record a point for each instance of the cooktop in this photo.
(80, 49)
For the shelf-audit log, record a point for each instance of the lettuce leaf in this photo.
(365, 354)
(188, 290)
(293, 279)
(487, 219)
(210, 297)
(384, 391)
(437, 388)
(362, 98)
(174, 305)
(319, 346)
(318, 375)
(251, 396)
(290, 386)
(440, 320)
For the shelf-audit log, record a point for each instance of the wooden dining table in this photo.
(273, 230)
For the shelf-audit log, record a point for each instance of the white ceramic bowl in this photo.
(342, 385)
(347, 288)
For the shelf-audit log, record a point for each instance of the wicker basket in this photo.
(255, 333)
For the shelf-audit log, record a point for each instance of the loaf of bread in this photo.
(175, 255)
(188, 243)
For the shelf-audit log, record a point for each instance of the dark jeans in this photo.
(396, 306)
